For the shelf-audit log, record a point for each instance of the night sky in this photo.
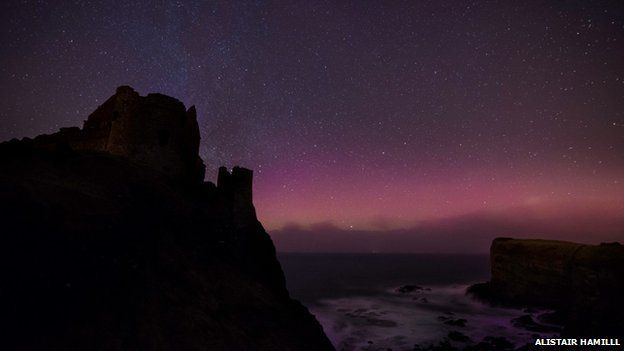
(362, 115)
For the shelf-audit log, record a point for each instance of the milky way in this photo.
(362, 114)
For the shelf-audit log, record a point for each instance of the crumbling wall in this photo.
(236, 190)
(154, 130)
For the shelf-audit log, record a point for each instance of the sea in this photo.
(401, 301)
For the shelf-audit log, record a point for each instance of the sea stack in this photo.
(583, 283)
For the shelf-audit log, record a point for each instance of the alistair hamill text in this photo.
(577, 342)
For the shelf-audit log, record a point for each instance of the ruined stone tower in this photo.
(236, 189)
(154, 130)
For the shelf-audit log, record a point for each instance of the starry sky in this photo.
(362, 115)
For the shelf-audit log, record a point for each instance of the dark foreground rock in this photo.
(583, 283)
(406, 289)
(460, 322)
(455, 342)
(112, 241)
(526, 322)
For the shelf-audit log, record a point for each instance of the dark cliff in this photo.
(111, 240)
(583, 283)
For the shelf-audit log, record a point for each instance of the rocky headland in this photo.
(582, 284)
(112, 240)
